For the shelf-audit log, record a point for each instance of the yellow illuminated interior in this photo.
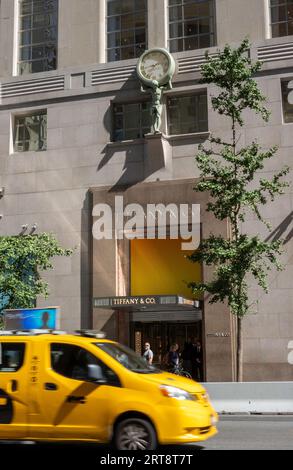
(160, 267)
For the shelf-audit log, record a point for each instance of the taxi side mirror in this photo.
(95, 374)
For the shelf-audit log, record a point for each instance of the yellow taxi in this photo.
(61, 387)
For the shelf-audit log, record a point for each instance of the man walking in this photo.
(148, 353)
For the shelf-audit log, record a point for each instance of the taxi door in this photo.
(14, 363)
(68, 406)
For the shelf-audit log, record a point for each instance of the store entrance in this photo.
(161, 335)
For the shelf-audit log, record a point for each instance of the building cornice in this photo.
(108, 78)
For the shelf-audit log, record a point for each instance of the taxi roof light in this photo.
(32, 332)
(91, 333)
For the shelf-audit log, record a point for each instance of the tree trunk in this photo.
(239, 351)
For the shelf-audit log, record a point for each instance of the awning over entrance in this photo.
(149, 303)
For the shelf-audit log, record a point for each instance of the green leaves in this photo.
(21, 260)
(234, 181)
(227, 175)
(233, 261)
(232, 71)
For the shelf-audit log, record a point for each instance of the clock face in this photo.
(155, 65)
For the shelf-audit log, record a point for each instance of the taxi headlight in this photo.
(214, 420)
(174, 392)
(205, 396)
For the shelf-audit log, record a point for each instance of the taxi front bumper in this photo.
(189, 423)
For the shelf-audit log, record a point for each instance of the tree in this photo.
(231, 175)
(22, 258)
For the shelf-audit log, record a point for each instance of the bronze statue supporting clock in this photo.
(155, 69)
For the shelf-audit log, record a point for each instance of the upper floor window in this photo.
(131, 120)
(191, 24)
(30, 132)
(126, 29)
(287, 99)
(281, 17)
(38, 28)
(187, 114)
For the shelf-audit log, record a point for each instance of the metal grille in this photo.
(30, 87)
(181, 315)
(275, 52)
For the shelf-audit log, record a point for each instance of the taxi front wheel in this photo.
(135, 434)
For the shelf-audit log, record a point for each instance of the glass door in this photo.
(161, 335)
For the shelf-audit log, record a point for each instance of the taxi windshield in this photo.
(128, 358)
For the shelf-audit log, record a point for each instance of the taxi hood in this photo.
(173, 380)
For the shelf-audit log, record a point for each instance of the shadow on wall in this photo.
(109, 326)
(139, 164)
(89, 317)
(142, 157)
(278, 233)
(285, 226)
(85, 263)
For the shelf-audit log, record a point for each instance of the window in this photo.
(30, 132)
(126, 29)
(72, 361)
(187, 114)
(281, 17)
(191, 24)
(131, 121)
(287, 95)
(128, 358)
(11, 356)
(38, 28)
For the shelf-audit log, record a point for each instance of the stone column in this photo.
(218, 328)
(123, 327)
(102, 32)
(157, 23)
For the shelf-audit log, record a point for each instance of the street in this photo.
(253, 432)
(235, 433)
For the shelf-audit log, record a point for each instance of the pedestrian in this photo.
(187, 356)
(173, 357)
(197, 360)
(148, 354)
